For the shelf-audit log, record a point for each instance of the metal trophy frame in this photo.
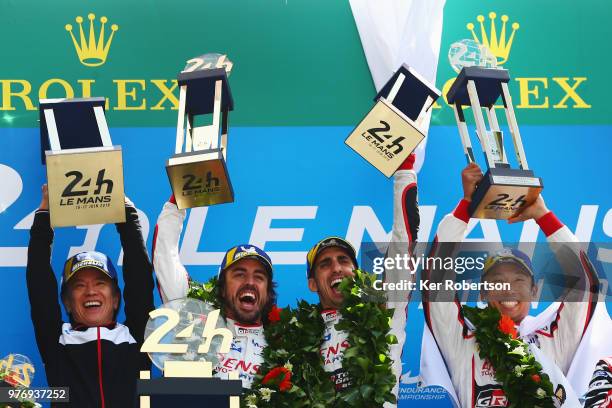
(397, 123)
(198, 170)
(504, 191)
(84, 169)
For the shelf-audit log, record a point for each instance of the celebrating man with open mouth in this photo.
(245, 291)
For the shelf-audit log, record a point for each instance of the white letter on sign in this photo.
(263, 232)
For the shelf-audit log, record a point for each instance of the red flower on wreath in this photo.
(11, 380)
(536, 378)
(279, 372)
(506, 325)
(274, 314)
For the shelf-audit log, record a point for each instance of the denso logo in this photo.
(332, 351)
(233, 364)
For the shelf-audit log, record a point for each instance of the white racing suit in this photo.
(405, 228)
(246, 351)
(553, 336)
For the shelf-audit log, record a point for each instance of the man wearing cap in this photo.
(96, 357)
(333, 258)
(556, 333)
(246, 291)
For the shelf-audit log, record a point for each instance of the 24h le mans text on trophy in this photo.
(504, 191)
(186, 338)
(397, 122)
(84, 169)
(198, 173)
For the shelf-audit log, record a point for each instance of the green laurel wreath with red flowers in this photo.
(7, 378)
(516, 369)
(292, 373)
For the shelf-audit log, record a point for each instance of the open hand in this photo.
(534, 211)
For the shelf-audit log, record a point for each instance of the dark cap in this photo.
(324, 244)
(86, 260)
(509, 255)
(240, 252)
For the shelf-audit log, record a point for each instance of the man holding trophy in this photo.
(553, 339)
(500, 355)
(96, 357)
(333, 259)
(245, 287)
(199, 177)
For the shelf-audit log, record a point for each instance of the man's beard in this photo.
(242, 317)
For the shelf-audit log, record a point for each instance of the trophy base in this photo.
(189, 392)
(504, 193)
(385, 137)
(85, 186)
(199, 179)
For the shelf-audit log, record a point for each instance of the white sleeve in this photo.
(405, 228)
(575, 313)
(453, 226)
(172, 277)
(445, 318)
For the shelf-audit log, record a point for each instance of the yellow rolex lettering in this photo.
(166, 93)
(86, 87)
(86, 90)
(44, 88)
(8, 93)
(525, 91)
(123, 93)
(570, 92)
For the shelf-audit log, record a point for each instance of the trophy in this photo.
(84, 169)
(198, 170)
(186, 338)
(397, 122)
(503, 191)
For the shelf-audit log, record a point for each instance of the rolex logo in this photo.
(92, 50)
(499, 46)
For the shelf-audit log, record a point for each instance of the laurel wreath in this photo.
(516, 369)
(23, 403)
(292, 373)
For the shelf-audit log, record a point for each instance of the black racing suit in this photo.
(100, 365)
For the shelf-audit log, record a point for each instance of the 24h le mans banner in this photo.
(300, 82)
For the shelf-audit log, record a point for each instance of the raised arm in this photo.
(137, 274)
(443, 313)
(404, 233)
(42, 285)
(172, 277)
(581, 284)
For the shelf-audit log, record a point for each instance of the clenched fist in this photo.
(470, 177)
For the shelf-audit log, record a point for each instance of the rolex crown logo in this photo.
(92, 51)
(499, 46)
